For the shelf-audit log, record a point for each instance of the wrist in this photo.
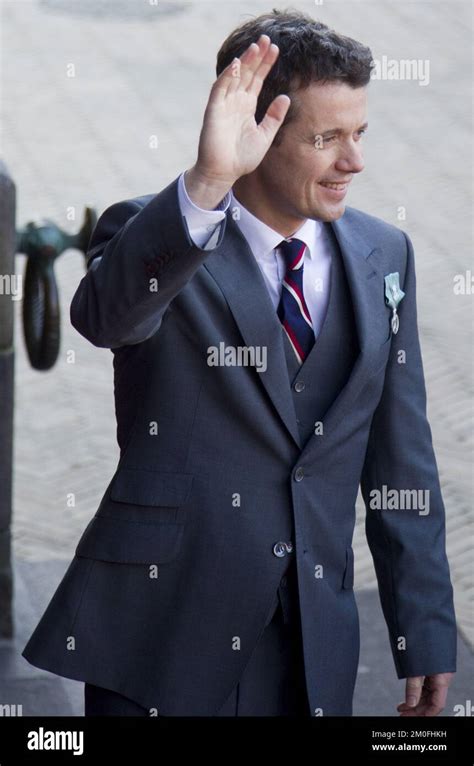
(206, 192)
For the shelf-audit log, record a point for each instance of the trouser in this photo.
(272, 683)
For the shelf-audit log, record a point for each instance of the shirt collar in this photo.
(262, 239)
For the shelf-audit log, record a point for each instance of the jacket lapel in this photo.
(364, 270)
(234, 268)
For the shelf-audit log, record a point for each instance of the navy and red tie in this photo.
(292, 309)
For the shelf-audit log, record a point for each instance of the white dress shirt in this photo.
(263, 242)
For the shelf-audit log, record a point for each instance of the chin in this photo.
(329, 215)
(333, 215)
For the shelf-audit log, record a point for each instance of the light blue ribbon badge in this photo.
(393, 296)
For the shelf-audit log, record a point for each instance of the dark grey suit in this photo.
(223, 481)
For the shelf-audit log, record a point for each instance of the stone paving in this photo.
(90, 87)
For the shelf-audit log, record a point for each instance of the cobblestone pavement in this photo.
(144, 71)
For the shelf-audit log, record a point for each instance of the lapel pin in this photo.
(393, 296)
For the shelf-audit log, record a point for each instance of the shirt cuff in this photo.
(201, 223)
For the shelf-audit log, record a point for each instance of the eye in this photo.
(329, 139)
(361, 131)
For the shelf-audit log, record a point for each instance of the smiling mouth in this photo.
(335, 186)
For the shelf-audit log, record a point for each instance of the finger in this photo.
(404, 708)
(438, 695)
(423, 709)
(236, 75)
(420, 709)
(275, 115)
(244, 67)
(412, 713)
(253, 61)
(433, 710)
(433, 697)
(426, 706)
(228, 79)
(255, 84)
(413, 690)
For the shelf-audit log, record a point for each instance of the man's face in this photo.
(320, 147)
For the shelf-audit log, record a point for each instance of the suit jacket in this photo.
(174, 577)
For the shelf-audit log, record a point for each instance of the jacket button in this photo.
(299, 474)
(280, 549)
(299, 386)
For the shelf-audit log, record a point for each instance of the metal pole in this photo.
(7, 272)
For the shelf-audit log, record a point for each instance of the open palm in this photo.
(231, 143)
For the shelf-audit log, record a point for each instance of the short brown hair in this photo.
(309, 52)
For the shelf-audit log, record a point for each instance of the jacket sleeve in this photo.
(139, 258)
(406, 536)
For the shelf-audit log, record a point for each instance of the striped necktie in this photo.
(292, 309)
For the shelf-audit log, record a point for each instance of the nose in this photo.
(351, 159)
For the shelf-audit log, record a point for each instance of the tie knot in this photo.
(293, 251)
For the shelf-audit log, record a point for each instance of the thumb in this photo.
(413, 690)
(275, 115)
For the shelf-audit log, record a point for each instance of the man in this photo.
(266, 362)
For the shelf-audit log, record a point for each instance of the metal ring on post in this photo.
(42, 243)
(41, 314)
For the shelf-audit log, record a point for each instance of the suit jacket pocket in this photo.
(138, 487)
(107, 538)
(140, 520)
(147, 496)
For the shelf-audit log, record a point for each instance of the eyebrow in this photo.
(340, 130)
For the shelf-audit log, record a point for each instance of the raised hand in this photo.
(231, 143)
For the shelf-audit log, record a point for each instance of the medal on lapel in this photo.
(393, 296)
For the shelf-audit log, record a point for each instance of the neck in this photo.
(253, 196)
